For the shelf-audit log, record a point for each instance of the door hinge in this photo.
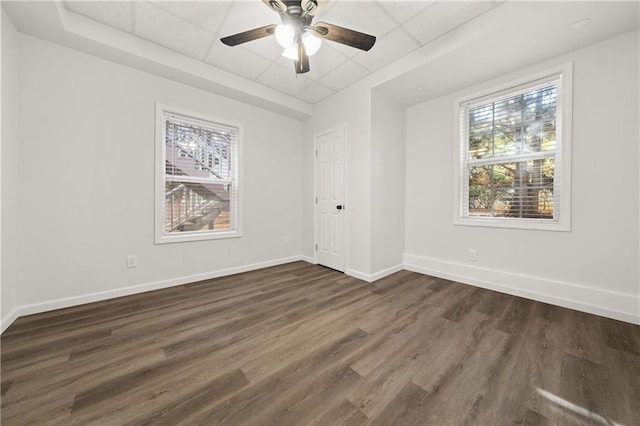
(316, 247)
(316, 152)
(316, 200)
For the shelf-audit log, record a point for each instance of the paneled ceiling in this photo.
(194, 29)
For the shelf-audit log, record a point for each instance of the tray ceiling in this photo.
(194, 29)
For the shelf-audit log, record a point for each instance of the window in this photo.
(514, 154)
(196, 177)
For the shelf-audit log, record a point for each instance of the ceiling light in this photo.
(311, 46)
(291, 52)
(581, 23)
(285, 35)
(311, 43)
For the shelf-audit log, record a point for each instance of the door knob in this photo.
(339, 207)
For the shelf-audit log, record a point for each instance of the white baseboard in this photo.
(385, 272)
(8, 320)
(357, 274)
(308, 259)
(375, 276)
(67, 302)
(620, 306)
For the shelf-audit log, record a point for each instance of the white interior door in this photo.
(329, 208)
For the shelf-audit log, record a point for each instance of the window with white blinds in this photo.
(197, 177)
(512, 157)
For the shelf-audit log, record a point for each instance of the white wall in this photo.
(374, 179)
(9, 168)
(353, 108)
(86, 181)
(595, 266)
(85, 186)
(388, 136)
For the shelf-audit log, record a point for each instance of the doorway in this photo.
(329, 209)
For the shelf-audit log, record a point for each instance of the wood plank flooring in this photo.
(300, 344)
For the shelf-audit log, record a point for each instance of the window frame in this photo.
(562, 181)
(161, 236)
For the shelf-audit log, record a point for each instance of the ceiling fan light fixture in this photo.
(298, 35)
(285, 35)
(311, 43)
(291, 52)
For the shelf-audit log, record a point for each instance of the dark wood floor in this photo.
(301, 344)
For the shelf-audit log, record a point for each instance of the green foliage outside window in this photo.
(511, 156)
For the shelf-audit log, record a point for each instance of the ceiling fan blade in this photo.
(302, 64)
(346, 36)
(277, 5)
(254, 34)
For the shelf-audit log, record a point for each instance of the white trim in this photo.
(236, 219)
(357, 274)
(36, 308)
(563, 73)
(308, 259)
(8, 320)
(611, 304)
(386, 272)
(508, 91)
(375, 276)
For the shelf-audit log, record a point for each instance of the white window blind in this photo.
(511, 165)
(199, 178)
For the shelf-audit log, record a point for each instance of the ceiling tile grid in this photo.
(403, 10)
(245, 15)
(237, 61)
(344, 75)
(194, 29)
(366, 17)
(387, 49)
(283, 79)
(265, 47)
(313, 93)
(116, 14)
(208, 15)
(166, 29)
(443, 17)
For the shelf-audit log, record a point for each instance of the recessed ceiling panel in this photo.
(443, 17)
(237, 60)
(161, 27)
(208, 15)
(246, 15)
(314, 93)
(194, 28)
(343, 75)
(283, 79)
(114, 13)
(363, 16)
(387, 49)
(266, 47)
(403, 10)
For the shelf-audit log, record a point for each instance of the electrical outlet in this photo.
(132, 261)
(285, 241)
(472, 255)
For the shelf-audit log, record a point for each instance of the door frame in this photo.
(345, 201)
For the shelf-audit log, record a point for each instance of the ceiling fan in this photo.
(297, 36)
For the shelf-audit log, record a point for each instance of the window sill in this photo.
(527, 224)
(184, 237)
